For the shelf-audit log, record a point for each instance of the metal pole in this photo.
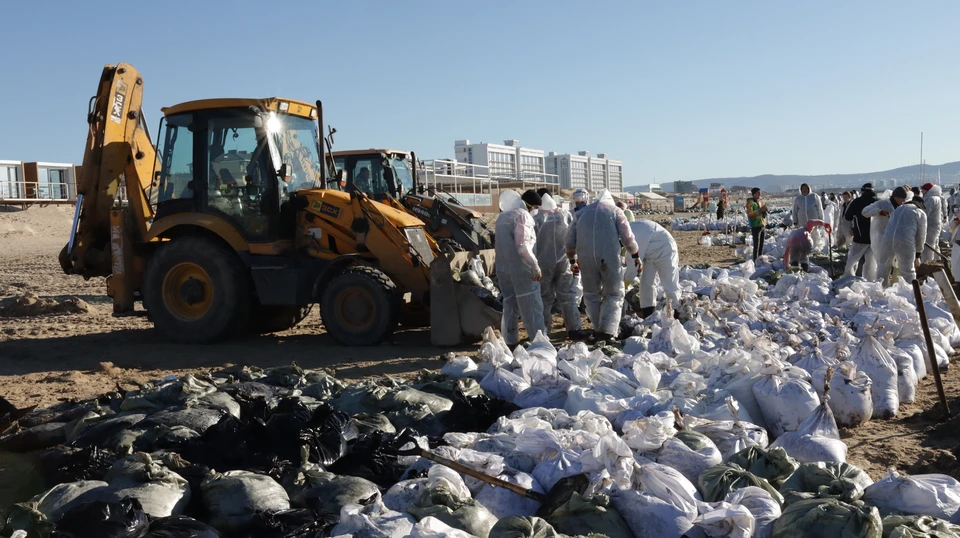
(931, 351)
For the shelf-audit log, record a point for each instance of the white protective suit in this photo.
(806, 208)
(831, 214)
(595, 237)
(902, 241)
(878, 224)
(660, 257)
(933, 205)
(558, 282)
(516, 267)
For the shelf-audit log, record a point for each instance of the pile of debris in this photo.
(28, 305)
(720, 421)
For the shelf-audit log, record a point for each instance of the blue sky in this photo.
(677, 90)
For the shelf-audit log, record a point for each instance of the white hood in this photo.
(510, 200)
(606, 198)
(547, 203)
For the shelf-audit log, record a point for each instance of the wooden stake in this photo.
(931, 351)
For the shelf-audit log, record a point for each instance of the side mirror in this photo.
(283, 173)
(342, 178)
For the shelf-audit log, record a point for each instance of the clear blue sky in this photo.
(677, 90)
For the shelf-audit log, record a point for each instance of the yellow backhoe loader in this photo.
(387, 175)
(225, 227)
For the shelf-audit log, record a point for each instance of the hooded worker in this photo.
(800, 245)
(860, 247)
(660, 257)
(558, 281)
(903, 239)
(806, 206)
(518, 270)
(933, 205)
(593, 247)
(879, 214)
(581, 197)
(831, 211)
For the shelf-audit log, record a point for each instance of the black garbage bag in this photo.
(376, 457)
(121, 519)
(475, 413)
(231, 445)
(197, 418)
(65, 464)
(102, 432)
(293, 523)
(324, 431)
(35, 438)
(180, 527)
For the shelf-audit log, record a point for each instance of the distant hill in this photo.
(949, 175)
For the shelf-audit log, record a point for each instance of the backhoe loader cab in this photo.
(225, 228)
(385, 173)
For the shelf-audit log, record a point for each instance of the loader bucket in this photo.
(459, 313)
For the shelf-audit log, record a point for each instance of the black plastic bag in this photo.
(293, 523)
(122, 519)
(475, 413)
(64, 464)
(180, 527)
(377, 457)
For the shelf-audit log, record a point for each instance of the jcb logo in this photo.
(116, 108)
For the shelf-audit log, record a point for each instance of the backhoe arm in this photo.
(118, 153)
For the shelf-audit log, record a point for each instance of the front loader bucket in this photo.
(457, 314)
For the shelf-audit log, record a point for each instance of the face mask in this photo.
(534, 211)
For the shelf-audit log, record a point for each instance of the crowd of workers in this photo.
(880, 233)
(550, 259)
(547, 255)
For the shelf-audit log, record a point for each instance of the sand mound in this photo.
(28, 305)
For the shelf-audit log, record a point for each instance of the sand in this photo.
(72, 346)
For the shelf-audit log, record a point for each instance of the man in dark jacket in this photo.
(860, 247)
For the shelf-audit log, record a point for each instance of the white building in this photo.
(505, 161)
(652, 187)
(583, 171)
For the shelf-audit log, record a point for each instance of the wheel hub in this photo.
(187, 291)
(192, 291)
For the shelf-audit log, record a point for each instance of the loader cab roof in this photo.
(275, 104)
(370, 151)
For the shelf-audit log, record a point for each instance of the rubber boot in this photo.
(647, 312)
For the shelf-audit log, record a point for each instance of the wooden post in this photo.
(949, 296)
(931, 351)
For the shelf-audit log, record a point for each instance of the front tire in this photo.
(359, 307)
(197, 291)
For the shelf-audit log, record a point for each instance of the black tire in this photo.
(224, 291)
(273, 319)
(360, 307)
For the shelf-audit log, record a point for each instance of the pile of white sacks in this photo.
(725, 424)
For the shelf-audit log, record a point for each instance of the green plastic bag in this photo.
(716, 482)
(821, 518)
(918, 527)
(774, 465)
(580, 516)
(465, 514)
(826, 480)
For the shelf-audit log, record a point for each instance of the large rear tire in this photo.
(360, 307)
(197, 291)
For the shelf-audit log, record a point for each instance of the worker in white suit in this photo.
(933, 206)
(660, 258)
(518, 271)
(593, 248)
(558, 282)
(903, 239)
